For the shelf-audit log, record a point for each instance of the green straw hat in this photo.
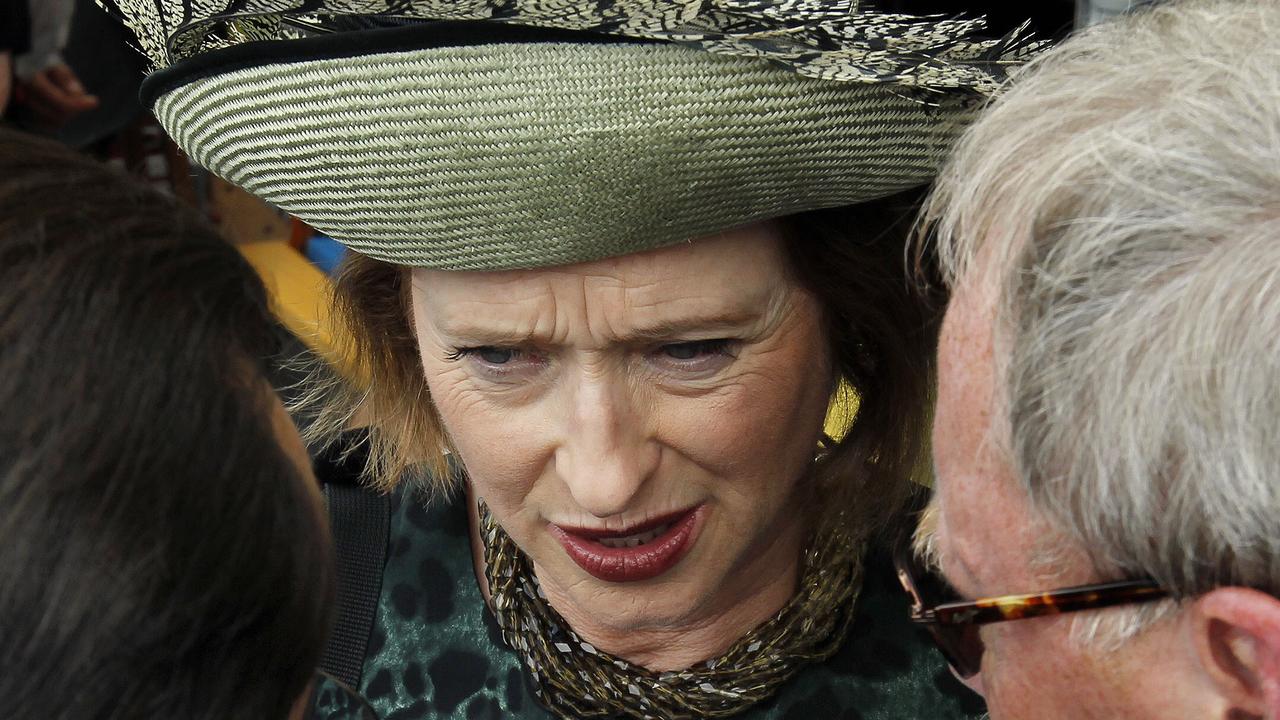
(494, 134)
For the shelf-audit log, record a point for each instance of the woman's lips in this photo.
(632, 563)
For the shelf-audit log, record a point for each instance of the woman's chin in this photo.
(662, 603)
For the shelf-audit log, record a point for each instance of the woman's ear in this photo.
(1237, 639)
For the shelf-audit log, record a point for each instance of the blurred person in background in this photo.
(15, 37)
(1108, 475)
(74, 78)
(49, 86)
(163, 546)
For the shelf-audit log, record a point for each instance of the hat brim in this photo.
(516, 154)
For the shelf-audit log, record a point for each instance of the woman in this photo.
(609, 281)
(161, 532)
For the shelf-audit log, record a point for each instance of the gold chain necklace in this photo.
(575, 680)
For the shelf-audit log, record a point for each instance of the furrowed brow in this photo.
(676, 328)
(485, 336)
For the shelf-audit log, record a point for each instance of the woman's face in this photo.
(639, 425)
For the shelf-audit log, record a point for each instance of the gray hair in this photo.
(1124, 197)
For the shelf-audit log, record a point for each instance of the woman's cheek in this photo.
(744, 424)
(499, 451)
(468, 418)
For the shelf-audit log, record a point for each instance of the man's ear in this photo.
(1237, 639)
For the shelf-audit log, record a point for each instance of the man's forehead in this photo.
(980, 517)
(966, 440)
(966, 346)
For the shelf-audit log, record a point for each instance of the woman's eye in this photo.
(488, 355)
(495, 356)
(693, 350)
(508, 366)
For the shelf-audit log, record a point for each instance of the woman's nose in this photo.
(605, 456)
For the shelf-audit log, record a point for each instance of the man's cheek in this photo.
(973, 682)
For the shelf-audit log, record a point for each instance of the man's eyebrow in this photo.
(669, 329)
(924, 540)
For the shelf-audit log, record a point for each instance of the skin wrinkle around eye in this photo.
(609, 432)
(535, 352)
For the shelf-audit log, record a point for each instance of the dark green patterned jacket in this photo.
(435, 651)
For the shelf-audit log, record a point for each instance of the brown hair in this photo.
(882, 334)
(160, 556)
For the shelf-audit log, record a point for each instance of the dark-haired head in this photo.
(163, 549)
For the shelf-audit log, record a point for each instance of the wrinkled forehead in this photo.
(732, 273)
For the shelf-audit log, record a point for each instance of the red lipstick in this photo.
(632, 554)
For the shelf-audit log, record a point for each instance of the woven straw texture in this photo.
(486, 158)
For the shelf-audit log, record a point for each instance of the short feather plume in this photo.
(841, 40)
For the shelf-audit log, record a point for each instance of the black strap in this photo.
(360, 520)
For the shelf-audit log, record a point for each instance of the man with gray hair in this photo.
(1109, 378)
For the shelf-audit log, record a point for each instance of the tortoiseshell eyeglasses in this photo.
(954, 622)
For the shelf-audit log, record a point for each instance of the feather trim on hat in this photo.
(840, 40)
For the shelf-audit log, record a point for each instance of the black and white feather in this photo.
(844, 40)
